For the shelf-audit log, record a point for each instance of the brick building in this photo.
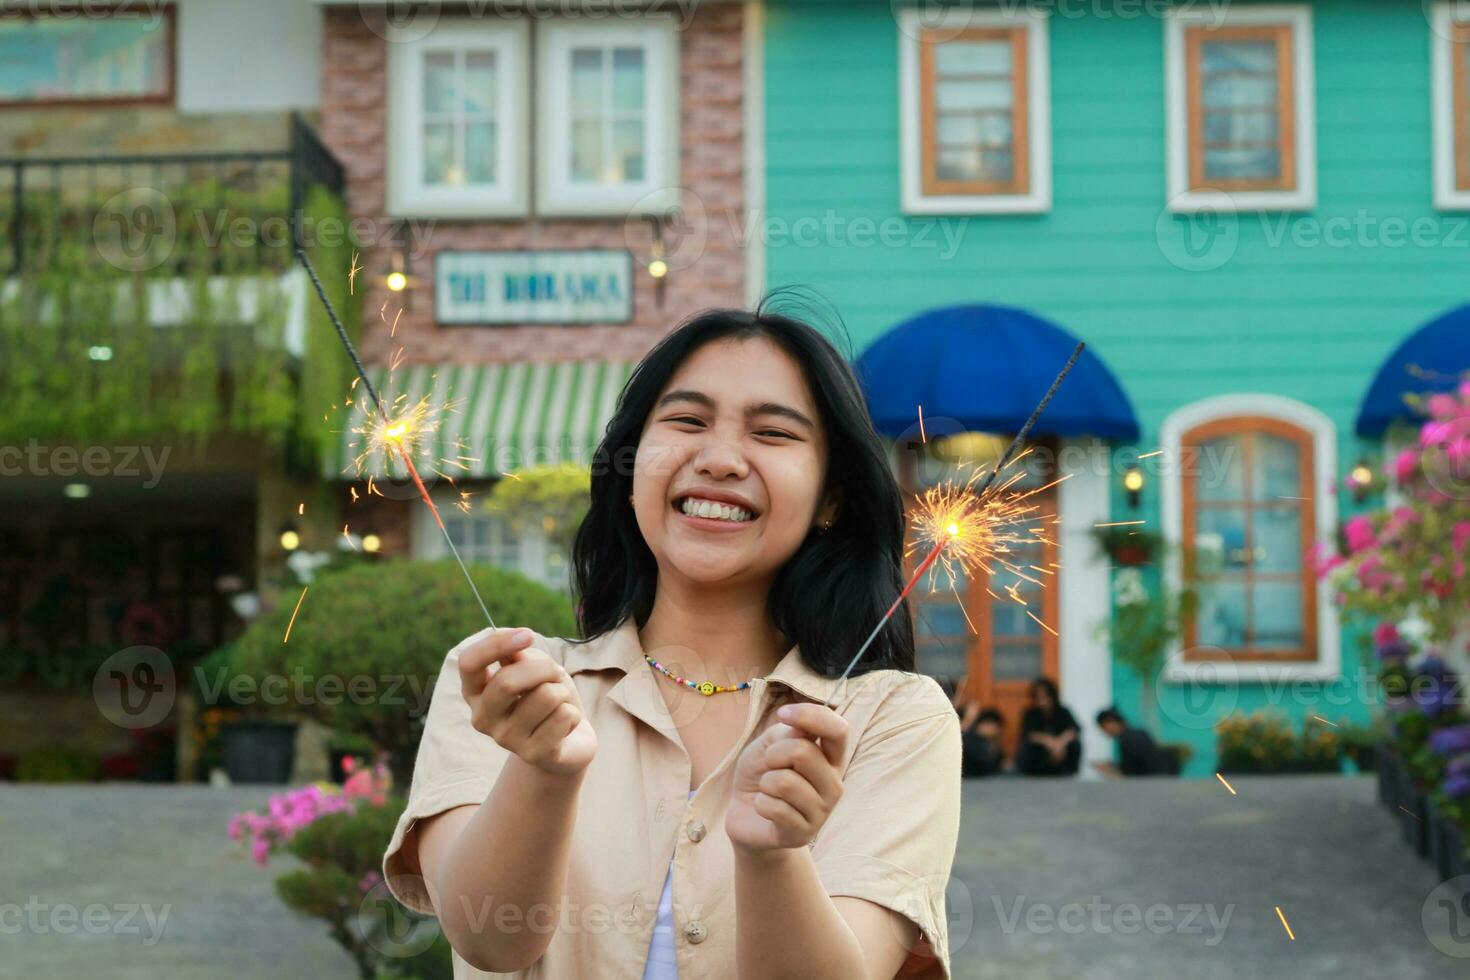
(557, 190)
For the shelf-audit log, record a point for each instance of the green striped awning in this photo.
(493, 418)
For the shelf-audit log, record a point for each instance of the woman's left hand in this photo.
(786, 781)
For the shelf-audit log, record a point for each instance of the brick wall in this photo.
(354, 125)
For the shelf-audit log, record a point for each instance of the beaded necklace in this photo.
(705, 688)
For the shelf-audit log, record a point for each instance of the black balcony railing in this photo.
(236, 211)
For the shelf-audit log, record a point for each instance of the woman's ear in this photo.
(831, 504)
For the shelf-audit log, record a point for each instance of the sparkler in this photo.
(966, 527)
(398, 434)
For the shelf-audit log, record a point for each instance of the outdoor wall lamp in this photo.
(1361, 480)
(290, 537)
(371, 542)
(658, 265)
(1133, 483)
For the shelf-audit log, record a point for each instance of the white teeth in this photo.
(711, 509)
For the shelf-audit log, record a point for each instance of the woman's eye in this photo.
(775, 432)
(687, 420)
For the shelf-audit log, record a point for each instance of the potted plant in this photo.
(1144, 623)
(256, 745)
(1128, 546)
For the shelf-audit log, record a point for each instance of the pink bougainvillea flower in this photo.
(1359, 532)
(1385, 633)
(1405, 465)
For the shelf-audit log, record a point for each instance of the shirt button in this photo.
(696, 831)
(695, 932)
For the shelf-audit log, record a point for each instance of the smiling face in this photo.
(731, 463)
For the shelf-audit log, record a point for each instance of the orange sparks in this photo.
(1325, 721)
(1156, 452)
(1227, 785)
(1120, 524)
(353, 491)
(922, 437)
(372, 488)
(287, 637)
(352, 274)
(395, 361)
(394, 329)
(1291, 935)
(1409, 812)
(1041, 624)
(301, 509)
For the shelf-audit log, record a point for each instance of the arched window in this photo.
(1247, 499)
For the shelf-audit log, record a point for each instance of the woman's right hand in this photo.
(527, 702)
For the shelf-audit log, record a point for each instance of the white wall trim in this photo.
(407, 194)
(1086, 670)
(1182, 200)
(1447, 197)
(753, 65)
(1324, 451)
(1038, 81)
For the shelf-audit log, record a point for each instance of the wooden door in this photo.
(977, 626)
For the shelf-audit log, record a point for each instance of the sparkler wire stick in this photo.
(402, 447)
(939, 545)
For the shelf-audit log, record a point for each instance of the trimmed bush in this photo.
(368, 643)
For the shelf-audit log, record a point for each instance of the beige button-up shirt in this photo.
(890, 840)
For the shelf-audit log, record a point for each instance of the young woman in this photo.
(1049, 734)
(672, 797)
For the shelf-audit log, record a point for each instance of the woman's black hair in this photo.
(831, 593)
(1051, 688)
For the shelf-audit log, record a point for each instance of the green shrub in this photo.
(58, 764)
(368, 643)
(341, 885)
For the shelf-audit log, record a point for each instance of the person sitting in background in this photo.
(1138, 753)
(980, 733)
(1049, 734)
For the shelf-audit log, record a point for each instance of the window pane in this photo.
(586, 150)
(973, 58)
(1239, 92)
(972, 94)
(1258, 57)
(991, 128)
(1219, 540)
(1218, 469)
(1278, 543)
(973, 163)
(586, 80)
(1244, 126)
(942, 658)
(1277, 614)
(627, 152)
(47, 58)
(439, 81)
(1242, 164)
(627, 66)
(438, 152)
(479, 81)
(1017, 662)
(479, 152)
(1277, 468)
(1221, 614)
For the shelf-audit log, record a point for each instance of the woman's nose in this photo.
(720, 458)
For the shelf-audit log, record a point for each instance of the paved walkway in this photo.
(1092, 881)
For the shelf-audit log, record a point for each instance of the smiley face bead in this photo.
(706, 689)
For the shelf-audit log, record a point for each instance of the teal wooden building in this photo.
(1244, 209)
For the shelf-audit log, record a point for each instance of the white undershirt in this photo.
(661, 965)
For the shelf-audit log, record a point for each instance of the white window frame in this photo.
(912, 24)
(408, 196)
(658, 192)
(1447, 196)
(1324, 451)
(1183, 200)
